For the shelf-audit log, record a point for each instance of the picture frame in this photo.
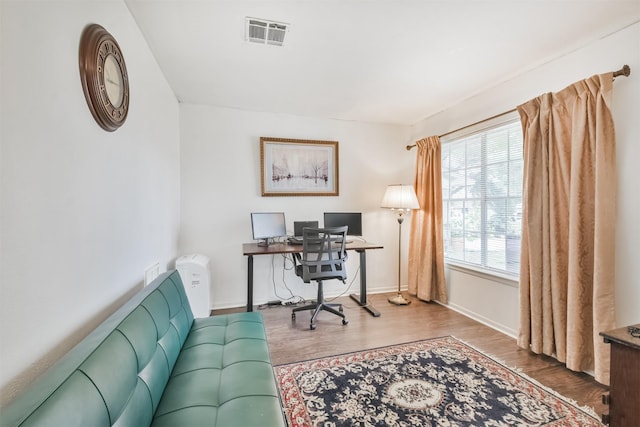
(298, 167)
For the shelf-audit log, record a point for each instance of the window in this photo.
(482, 196)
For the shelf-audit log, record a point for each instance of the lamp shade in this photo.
(399, 196)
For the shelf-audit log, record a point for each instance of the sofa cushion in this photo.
(227, 357)
(76, 403)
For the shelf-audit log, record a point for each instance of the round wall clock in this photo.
(104, 77)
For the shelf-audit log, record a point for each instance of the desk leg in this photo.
(362, 301)
(250, 283)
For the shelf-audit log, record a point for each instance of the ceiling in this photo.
(381, 61)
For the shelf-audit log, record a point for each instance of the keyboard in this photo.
(298, 240)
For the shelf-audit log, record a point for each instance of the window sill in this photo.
(493, 276)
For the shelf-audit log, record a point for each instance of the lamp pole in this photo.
(399, 299)
(401, 198)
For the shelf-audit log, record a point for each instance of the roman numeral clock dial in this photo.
(104, 78)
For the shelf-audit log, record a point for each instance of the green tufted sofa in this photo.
(152, 364)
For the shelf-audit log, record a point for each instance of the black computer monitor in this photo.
(298, 226)
(353, 220)
(267, 225)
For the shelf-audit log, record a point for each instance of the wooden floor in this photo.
(294, 341)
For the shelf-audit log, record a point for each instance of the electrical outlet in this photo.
(151, 273)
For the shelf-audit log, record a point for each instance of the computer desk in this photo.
(251, 249)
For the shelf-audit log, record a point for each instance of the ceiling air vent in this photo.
(265, 32)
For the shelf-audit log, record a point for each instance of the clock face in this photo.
(104, 77)
(113, 81)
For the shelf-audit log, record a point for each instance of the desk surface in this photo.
(286, 248)
(251, 249)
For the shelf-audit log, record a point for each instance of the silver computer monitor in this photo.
(266, 226)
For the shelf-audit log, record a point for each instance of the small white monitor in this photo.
(266, 226)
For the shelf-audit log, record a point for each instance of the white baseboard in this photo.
(485, 321)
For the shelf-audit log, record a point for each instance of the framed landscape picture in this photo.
(298, 167)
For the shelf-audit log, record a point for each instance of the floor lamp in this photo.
(400, 198)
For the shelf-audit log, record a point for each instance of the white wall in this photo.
(221, 187)
(494, 302)
(83, 211)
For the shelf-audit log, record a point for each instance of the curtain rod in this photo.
(624, 71)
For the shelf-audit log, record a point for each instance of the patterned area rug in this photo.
(436, 382)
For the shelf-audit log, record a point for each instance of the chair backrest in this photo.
(324, 254)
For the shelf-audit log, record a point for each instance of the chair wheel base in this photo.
(336, 309)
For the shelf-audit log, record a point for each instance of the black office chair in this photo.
(323, 258)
